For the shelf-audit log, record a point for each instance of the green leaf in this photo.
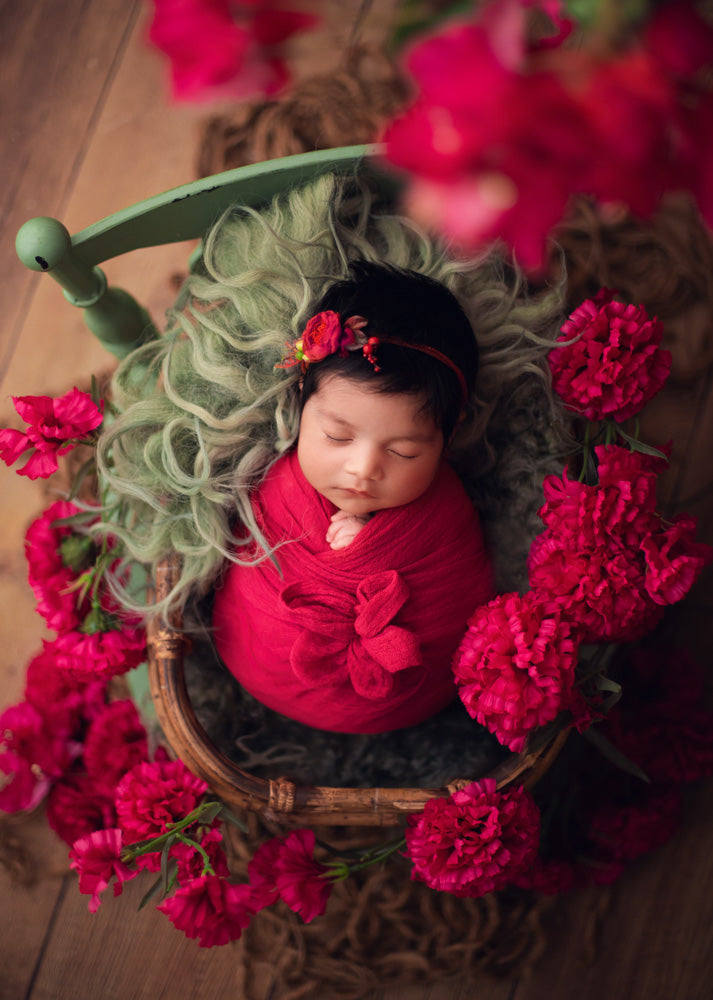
(165, 859)
(607, 684)
(87, 467)
(82, 517)
(153, 891)
(636, 445)
(613, 754)
(231, 818)
(94, 393)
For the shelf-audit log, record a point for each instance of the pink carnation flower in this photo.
(515, 666)
(210, 909)
(152, 795)
(97, 860)
(616, 363)
(475, 841)
(285, 868)
(54, 427)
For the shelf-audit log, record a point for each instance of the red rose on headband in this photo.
(324, 335)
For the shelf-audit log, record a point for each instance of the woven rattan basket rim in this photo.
(282, 799)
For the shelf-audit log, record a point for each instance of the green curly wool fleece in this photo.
(203, 412)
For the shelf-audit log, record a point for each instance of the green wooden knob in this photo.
(42, 243)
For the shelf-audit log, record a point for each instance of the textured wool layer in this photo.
(359, 639)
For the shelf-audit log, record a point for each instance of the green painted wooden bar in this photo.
(183, 213)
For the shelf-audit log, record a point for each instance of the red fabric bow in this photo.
(342, 639)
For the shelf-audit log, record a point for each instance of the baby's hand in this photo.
(344, 529)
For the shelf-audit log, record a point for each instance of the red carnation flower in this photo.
(285, 868)
(22, 786)
(97, 860)
(474, 841)
(66, 701)
(515, 666)
(210, 909)
(606, 557)
(100, 655)
(624, 832)
(76, 808)
(551, 877)
(54, 427)
(191, 862)
(51, 578)
(152, 795)
(600, 589)
(116, 741)
(26, 731)
(674, 560)
(615, 365)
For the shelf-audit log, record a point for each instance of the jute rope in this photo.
(382, 929)
(341, 108)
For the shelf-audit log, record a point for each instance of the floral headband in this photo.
(325, 335)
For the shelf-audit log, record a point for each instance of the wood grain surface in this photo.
(86, 129)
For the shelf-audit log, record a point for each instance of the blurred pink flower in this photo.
(503, 132)
(54, 427)
(224, 49)
(97, 860)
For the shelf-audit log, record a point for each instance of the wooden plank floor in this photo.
(86, 130)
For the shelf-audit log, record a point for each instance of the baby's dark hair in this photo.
(414, 308)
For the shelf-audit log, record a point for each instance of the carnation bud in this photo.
(77, 552)
(98, 620)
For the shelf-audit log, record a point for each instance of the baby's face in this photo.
(364, 450)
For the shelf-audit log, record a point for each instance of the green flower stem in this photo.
(340, 870)
(207, 811)
(189, 842)
(585, 452)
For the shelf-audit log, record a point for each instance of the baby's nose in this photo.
(364, 463)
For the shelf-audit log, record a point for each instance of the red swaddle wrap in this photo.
(360, 639)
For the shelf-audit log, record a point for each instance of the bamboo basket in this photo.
(282, 800)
